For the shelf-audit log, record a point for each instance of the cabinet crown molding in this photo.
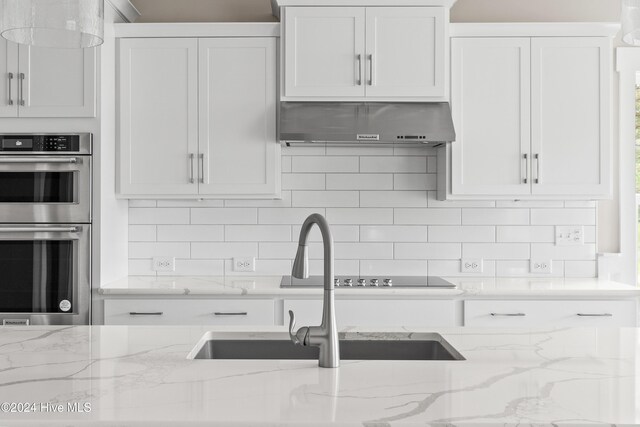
(535, 29)
(277, 4)
(198, 29)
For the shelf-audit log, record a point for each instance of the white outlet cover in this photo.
(469, 265)
(567, 235)
(244, 264)
(164, 263)
(544, 266)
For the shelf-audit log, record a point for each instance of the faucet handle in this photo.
(292, 325)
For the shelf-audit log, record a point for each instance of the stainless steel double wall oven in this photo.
(45, 228)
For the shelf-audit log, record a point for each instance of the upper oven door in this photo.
(45, 189)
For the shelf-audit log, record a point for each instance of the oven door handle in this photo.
(38, 160)
(39, 229)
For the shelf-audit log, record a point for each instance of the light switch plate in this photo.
(541, 266)
(244, 264)
(164, 263)
(469, 265)
(567, 235)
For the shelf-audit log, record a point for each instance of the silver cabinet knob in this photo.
(374, 282)
(348, 282)
(388, 282)
(362, 282)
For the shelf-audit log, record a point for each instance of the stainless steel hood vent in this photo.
(366, 123)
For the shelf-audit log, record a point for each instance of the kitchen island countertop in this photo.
(141, 376)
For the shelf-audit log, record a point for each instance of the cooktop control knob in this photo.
(348, 282)
(362, 282)
(336, 282)
(374, 282)
(388, 282)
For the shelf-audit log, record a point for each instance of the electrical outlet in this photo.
(567, 235)
(244, 264)
(541, 266)
(164, 263)
(471, 265)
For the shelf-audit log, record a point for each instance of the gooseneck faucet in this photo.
(324, 336)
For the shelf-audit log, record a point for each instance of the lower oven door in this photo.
(45, 189)
(45, 274)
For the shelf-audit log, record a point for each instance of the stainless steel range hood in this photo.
(366, 123)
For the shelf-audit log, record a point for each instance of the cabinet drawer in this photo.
(383, 313)
(190, 312)
(573, 313)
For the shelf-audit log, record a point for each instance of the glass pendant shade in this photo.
(53, 23)
(630, 15)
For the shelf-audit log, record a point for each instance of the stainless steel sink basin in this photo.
(426, 347)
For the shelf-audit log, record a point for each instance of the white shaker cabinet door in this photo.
(239, 153)
(490, 97)
(57, 82)
(9, 76)
(324, 51)
(405, 52)
(570, 81)
(158, 133)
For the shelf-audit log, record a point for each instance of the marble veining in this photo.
(134, 375)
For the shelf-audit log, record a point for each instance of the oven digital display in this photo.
(17, 143)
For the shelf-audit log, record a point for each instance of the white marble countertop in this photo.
(468, 287)
(141, 376)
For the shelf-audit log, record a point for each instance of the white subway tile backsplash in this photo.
(358, 216)
(566, 216)
(371, 164)
(158, 216)
(303, 181)
(360, 181)
(347, 199)
(393, 233)
(495, 216)
(427, 251)
(384, 216)
(257, 233)
(190, 233)
(327, 164)
(496, 251)
(526, 233)
(427, 216)
(224, 216)
(462, 233)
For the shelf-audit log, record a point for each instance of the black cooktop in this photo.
(370, 282)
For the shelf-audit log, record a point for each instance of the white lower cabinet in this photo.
(382, 313)
(221, 312)
(558, 313)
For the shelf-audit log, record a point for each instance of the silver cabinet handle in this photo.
(359, 78)
(595, 314)
(230, 313)
(537, 157)
(526, 168)
(508, 314)
(201, 168)
(370, 70)
(146, 313)
(191, 158)
(10, 75)
(21, 88)
(39, 160)
(38, 229)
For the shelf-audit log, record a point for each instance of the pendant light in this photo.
(630, 15)
(53, 23)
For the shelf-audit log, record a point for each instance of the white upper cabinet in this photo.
(45, 82)
(364, 52)
(325, 51)
(238, 117)
(532, 117)
(158, 116)
(570, 115)
(198, 117)
(405, 51)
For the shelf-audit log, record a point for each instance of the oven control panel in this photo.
(40, 143)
